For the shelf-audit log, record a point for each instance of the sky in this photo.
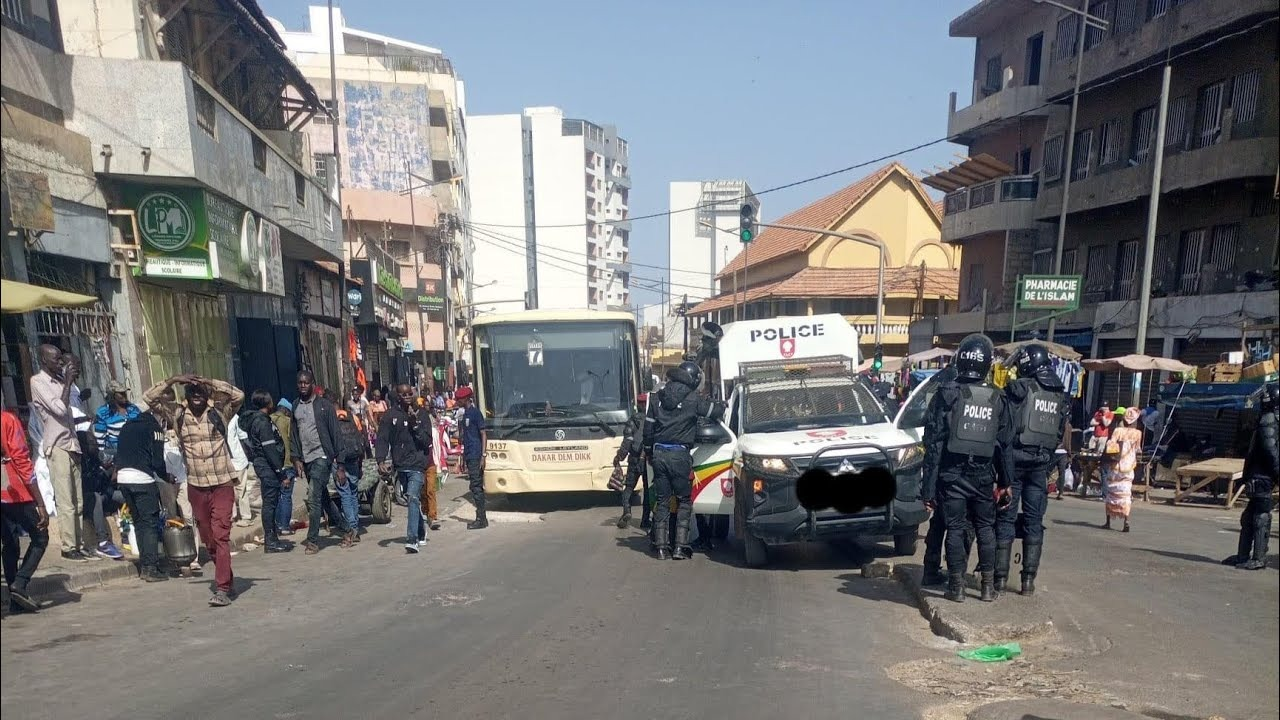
(770, 92)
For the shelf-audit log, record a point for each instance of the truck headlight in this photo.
(908, 457)
(774, 465)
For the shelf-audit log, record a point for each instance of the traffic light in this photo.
(747, 227)
(877, 362)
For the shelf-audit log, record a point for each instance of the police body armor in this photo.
(1040, 420)
(974, 423)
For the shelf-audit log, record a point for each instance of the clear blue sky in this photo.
(772, 92)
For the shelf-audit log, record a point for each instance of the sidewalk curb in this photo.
(97, 573)
(945, 623)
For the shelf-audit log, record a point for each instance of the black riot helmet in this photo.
(973, 358)
(1033, 358)
(695, 372)
(1270, 397)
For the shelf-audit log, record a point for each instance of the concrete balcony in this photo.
(1008, 203)
(960, 323)
(1181, 311)
(989, 113)
(621, 180)
(619, 266)
(624, 225)
(161, 135)
(1225, 160)
(1181, 24)
(894, 330)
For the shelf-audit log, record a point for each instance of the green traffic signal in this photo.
(746, 236)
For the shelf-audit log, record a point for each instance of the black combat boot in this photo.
(1030, 566)
(1261, 528)
(1003, 553)
(955, 587)
(681, 542)
(988, 587)
(625, 520)
(664, 552)
(482, 520)
(932, 576)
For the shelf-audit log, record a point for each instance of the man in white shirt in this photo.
(51, 402)
(240, 463)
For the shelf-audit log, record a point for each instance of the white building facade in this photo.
(701, 242)
(549, 212)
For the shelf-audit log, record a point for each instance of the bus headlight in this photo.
(908, 457)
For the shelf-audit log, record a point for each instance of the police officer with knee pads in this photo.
(1261, 471)
(1039, 407)
(967, 428)
(936, 536)
(669, 431)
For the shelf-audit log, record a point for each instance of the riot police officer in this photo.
(1261, 470)
(632, 450)
(935, 537)
(1039, 409)
(669, 431)
(967, 427)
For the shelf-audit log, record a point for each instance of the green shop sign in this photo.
(193, 234)
(390, 283)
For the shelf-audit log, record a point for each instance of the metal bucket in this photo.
(180, 544)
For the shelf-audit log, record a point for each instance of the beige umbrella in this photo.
(1055, 349)
(1137, 363)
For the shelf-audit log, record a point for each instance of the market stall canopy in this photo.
(1061, 351)
(927, 355)
(1137, 363)
(20, 297)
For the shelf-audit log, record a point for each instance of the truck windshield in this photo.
(806, 404)
(557, 373)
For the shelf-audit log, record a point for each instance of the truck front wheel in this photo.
(754, 552)
(906, 543)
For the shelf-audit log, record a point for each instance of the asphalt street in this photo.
(554, 613)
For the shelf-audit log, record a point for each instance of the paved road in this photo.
(564, 618)
(568, 617)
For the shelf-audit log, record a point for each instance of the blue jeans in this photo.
(412, 480)
(349, 493)
(318, 501)
(284, 511)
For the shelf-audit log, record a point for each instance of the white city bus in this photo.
(556, 388)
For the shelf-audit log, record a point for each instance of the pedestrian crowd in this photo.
(200, 459)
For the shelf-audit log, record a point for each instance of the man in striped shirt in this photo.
(112, 417)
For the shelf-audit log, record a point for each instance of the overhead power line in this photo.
(1155, 62)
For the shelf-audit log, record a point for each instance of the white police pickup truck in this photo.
(795, 403)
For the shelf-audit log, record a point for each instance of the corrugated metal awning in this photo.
(969, 171)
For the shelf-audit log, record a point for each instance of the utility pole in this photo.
(337, 184)
(417, 270)
(1153, 212)
(1085, 19)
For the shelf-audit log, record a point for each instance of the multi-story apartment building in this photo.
(401, 122)
(1214, 275)
(701, 242)
(155, 161)
(550, 212)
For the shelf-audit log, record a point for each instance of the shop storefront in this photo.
(381, 320)
(196, 246)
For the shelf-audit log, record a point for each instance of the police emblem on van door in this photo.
(559, 434)
(787, 346)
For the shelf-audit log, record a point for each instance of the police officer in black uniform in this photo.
(632, 450)
(1261, 470)
(934, 538)
(1039, 407)
(669, 431)
(967, 428)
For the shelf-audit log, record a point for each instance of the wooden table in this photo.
(1200, 474)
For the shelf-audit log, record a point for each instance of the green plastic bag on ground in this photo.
(992, 653)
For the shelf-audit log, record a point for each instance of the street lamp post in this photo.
(1085, 20)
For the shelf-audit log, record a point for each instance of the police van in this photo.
(795, 402)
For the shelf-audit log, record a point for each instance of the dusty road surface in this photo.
(554, 613)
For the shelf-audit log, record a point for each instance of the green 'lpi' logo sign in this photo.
(165, 222)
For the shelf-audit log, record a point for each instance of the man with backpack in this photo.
(314, 447)
(352, 447)
(264, 448)
(201, 426)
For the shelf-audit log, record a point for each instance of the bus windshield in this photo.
(564, 373)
